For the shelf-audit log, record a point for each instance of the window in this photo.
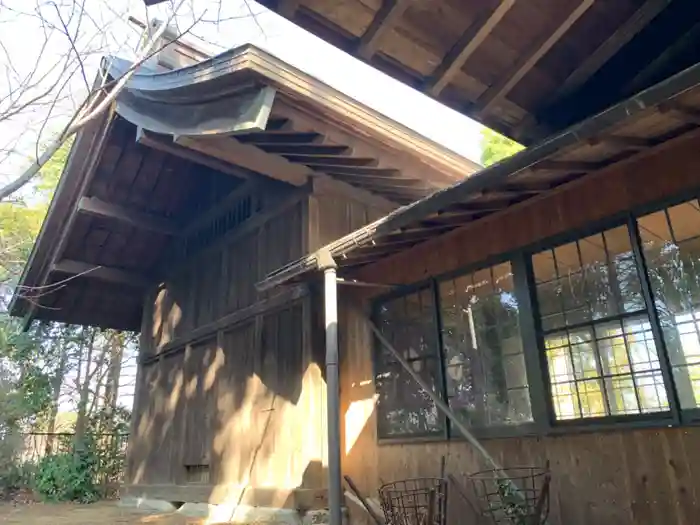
(671, 245)
(617, 335)
(484, 364)
(601, 356)
(403, 408)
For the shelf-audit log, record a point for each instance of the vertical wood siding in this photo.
(625, 476)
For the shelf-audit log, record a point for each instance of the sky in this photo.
(32, 45)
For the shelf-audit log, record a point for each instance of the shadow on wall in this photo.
(244, 409)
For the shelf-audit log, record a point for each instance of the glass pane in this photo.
(404, 408)
(600, 351)
(408, 322)
(671, 245)
(592, 278)
(484, 364)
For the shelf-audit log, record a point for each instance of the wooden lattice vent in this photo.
(197, 473)
(240, 211)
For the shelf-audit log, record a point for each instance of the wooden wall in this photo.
(247, 404)
(649, 476)
(231, 391)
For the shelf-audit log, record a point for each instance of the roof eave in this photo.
(493, 175)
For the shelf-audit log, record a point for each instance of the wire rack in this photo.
(416, 501)
(517, 496)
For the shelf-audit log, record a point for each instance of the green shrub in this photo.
(16, 476)
(67, 477)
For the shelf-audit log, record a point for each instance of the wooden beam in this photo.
(527, 61)
(379, 178)
(634, 143)
(355, 170)
(305, 149)
(326, 184)
(102, 273)
(138, 219)
(283, 137)
(275, 166)
(684, 112)
(592, 64)
(387, 15)
(566, 165)
(166, 145)
(470, 40)
(646, 76)
(331, 160)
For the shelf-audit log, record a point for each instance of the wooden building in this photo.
(200, 181)
(552, 301)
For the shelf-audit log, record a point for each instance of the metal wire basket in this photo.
(417, 501)
(514, 496)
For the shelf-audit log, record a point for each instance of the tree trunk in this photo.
(84, 388)
(114, 373)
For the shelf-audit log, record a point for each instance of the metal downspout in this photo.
(330, 289)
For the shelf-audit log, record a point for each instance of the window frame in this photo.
(544, 421)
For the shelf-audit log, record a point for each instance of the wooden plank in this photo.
(138, 219)
(331, 160)
(304, 149)
(590, 66)
(465, 47)
(205, 331)
(167, 145)
(527, 61)
(683, 111)
(566, 165)
(287, 137)
(647, 74)
(388, 14)
(634, 143)
(103, 273)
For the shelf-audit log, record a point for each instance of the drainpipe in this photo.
(330, 291)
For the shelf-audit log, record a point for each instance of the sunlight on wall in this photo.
(266, 440)
(356, 417)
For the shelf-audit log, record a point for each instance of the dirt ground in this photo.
(102, 513)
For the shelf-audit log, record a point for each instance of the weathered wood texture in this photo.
(618, 477)
(246, 405)
(220, 278)
(232, 392)
(331, 216)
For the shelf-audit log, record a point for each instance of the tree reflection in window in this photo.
(482, 348)
(600, 351)
(671, 244)
(403, 408)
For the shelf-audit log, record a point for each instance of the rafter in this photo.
(527, 61)
(470, 40)
(281, 137)
(566, 165)
(634, 143)
(388, 14)
(102, 273)
(166, 145)
(684, 111)
(304, 149)
(592, 64)
(331, 160)
(145, 221)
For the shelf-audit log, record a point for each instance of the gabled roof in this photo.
(181, 141)
(663, 113)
